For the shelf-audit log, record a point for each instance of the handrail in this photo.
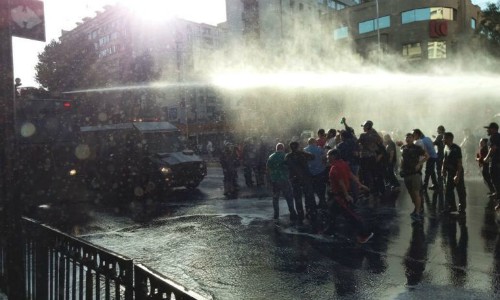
(60, 266)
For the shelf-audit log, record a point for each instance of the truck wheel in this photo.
(192, 185)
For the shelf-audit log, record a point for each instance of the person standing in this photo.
(438, 142)
(349, 152)
(340, 176)
(371, 173)
(318, 170)
(250, 160)
(321, 141)
(412, 159)
(453, 172)
(278, 176)
(390, 148)
(430, 165)
(210, 149)
(229, 162)
(331, 139)
(493, 157)
(301, 181)
(468, 146)
(484, 166)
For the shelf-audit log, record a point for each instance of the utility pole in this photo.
(12, 206)
(379, 50)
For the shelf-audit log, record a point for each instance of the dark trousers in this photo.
(485, 171)
(390, 176)
(248, 172)
(450, 192)
(430, 171)
(319, 187)
(304, 188)
(495, 178)
(230, 181)
(372, 174)
(439, 165)
(339, 205)
(283, 187)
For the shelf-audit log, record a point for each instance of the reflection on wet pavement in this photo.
(230, 249)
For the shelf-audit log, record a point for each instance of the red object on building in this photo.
(438, 28)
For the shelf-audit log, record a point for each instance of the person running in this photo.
(278, 176)
(340, 177)
(453, 172)
(412, 159)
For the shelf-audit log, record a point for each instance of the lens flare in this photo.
(28, 129)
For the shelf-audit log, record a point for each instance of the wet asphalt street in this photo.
(231, 249)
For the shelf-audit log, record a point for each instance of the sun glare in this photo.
(156, 10)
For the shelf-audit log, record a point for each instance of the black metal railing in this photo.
(60, 266)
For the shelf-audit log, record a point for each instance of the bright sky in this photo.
(63, 14)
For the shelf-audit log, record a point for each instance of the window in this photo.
(104, 40)
(366, 26)
(412, 51)
(428, 13)
(320, 2)
(292, 4)
(301, 6)
(340, 33)
(384, 22)
(421, 14)
(441, 13)
(473, 23)
(436, 50)
(371, 25)
(331, 4)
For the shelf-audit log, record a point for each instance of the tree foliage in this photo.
(67, 66)
(489, 28)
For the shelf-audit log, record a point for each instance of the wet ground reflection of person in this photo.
(416, 256)
(496, 267)
(457, 255)
(490, 236)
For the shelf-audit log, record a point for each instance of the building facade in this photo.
(430, 29)
(274, 24)
(179, 52)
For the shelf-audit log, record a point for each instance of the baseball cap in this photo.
(492, 125)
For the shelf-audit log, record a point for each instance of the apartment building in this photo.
(417, 30)
(180, 52)
(275, 24)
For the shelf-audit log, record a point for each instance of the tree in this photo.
(489, 29)
(67, 66)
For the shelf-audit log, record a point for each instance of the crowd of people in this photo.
(332, 171)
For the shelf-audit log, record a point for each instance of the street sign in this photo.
(27, 19)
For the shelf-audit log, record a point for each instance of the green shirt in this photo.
(278, 170)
